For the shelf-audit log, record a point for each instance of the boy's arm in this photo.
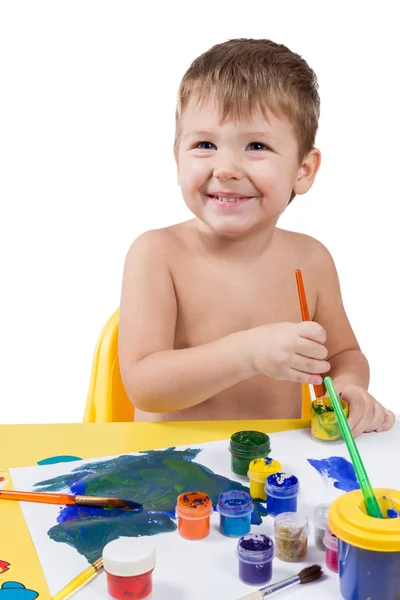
(158, 378)
(348, 363)
(349, 366)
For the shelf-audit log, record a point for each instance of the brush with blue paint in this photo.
(370, 500)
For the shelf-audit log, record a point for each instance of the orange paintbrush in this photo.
(318, 389)
(70, 499)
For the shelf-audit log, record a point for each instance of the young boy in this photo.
(210, 324)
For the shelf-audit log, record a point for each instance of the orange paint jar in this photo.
(194, 510)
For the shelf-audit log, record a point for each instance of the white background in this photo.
(87, 102)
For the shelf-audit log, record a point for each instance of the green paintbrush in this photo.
(371, 502)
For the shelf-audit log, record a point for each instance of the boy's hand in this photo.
(289, 351)
(365, 413)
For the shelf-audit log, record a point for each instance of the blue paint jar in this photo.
(235, 508)
(282, 490)
(368, 548)
(255, 552)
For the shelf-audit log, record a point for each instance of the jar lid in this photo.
(330, 540)
(349, 521)
(129, 556)
(255, 548)
(249, 442)
(260, 468)
(321, 515)
(194, 505)
(291, 526)
(235, 503)
(282, 485)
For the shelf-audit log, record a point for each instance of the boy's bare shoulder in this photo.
(160, 243)
(309, 250)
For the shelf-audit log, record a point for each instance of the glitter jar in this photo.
(245, 446)
(129, 563)
(194, 510)
(368, 548)
(255, 552)
(259, 470)
(320, 524)
(282, 490)
(235, 508)
(291, 536)
(331, 544)
(324, 423)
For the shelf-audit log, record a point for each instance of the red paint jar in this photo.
(129, 564)
(331, 545)
(194, 510)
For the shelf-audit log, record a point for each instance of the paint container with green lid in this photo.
(245, 446)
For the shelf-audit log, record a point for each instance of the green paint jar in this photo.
(245, 446)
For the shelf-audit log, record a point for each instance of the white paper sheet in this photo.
(208, 568)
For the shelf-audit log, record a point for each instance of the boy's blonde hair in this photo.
(243, 75)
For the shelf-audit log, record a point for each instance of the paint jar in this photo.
(331, 544)
(259, 470)
(321, 524)
(194, 510)
(291, 536)
(235, 508)
(255, 552)
(245, 446)
(368, 548)
(324, 424)
(129, 563)
(282, 490)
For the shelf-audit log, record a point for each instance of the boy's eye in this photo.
(204, 145)
(258, 146)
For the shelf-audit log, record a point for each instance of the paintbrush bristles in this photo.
(310, 574)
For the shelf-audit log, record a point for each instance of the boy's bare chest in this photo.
(217, 299)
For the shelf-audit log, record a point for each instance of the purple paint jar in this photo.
(255, 552)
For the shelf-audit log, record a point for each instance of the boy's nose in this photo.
(228, 170)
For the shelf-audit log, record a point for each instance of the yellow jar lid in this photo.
(348, 521)
(262, 467)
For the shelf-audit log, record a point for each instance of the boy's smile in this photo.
(237, 177)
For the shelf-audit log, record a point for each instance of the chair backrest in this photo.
(107, 400)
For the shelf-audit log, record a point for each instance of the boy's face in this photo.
(238, 176)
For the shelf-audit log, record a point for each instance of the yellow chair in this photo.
(107, 400)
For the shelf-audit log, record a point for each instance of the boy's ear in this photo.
(307, 172)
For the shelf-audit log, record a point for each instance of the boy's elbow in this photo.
(141, 396)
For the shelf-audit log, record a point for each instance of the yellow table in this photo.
(25, 445)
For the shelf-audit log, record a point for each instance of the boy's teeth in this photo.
(227, 199)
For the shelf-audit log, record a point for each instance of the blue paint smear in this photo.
(58, 459)
(392, 513)
(340, 470)
(154, 479)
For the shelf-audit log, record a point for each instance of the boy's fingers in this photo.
(377, 418)
(310, 365)
(312, 349)
(365, 420)
(388, 421)
(301, 377)
(357, 417)
(313, 331)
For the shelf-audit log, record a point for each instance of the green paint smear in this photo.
(154, 479)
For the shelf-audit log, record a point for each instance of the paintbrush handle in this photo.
(274, 587)
(371, 502)
(42, 497)
(79, 581)
(305, 315)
